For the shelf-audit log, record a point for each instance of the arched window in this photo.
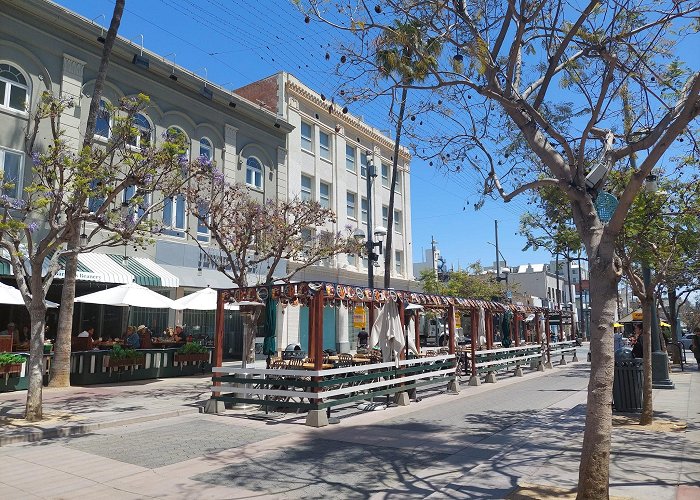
(103, 121)
(143, 133)
(13, 88)
(206, 148)
(254, 173)
(176, 133)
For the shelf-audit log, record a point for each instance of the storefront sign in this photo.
(358, 317)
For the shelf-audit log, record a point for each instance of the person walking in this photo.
(638, 347)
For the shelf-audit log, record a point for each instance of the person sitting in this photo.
(88, 332)
(179, 334)
(134, 339)
(12, 331)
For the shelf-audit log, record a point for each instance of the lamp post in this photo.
(659, 359)
(370, 245)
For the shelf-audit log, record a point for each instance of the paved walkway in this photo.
(482, 443)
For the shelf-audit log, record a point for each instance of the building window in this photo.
(351, 205)
(174, 216)
(325, 195)
(385, 175)
(350, 158)
(398, 262)
(398, 223)
(324, 145)
(363, 165)
(202, 218)
(206, 149)
(103, 120)
(13, 88)
(254, 173)
(306, 189)
(385, 216)
(352, 259)
(11, 164)
(142, 132)
(306, 141)
(364, 209)
(128, 193)
(399, 178)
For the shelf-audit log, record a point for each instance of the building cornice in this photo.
(303, 92)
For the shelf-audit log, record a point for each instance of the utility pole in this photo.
(432, 246)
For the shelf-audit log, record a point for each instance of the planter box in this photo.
(116, 363)
(194, 357)
(11, 369)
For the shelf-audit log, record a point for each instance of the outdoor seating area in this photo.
(395, 363)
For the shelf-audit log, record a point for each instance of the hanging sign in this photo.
(358, 317)
(458, 320)
(637, 316)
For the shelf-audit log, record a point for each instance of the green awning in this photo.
(143, 276)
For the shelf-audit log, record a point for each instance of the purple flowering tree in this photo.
(110, 189)
(251, 236)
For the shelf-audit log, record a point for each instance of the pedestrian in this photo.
(638, 347)
(362, 339)
(695, 346)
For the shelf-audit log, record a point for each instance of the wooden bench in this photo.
(490, 361)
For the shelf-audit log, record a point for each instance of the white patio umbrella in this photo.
(131, 294)
(387, 332)
(201, 300)
(12, 296)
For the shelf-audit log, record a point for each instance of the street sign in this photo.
(358, 317)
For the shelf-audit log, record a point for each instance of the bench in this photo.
(490, 361)
(563, 348)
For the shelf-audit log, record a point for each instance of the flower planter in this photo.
(11, 369)
(117, 363)
(194, 357)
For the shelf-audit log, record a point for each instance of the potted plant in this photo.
(11, 363)
(192, 352)
(120, 356)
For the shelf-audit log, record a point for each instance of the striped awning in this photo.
(98, 267)
(167, 279)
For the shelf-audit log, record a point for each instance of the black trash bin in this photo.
(628, 382)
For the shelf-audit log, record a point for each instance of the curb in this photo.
(34, 435)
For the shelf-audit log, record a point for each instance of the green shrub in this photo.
(192, 348)
(119, 353)
(7, 358)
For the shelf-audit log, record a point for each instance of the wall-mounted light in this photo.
(207, 92)
(139, 59)
(232, 104)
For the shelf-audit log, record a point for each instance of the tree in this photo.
(471, 283)
(255, 236)
(546, 77)
(405, 55)
(60, 367)
(661, 233)
(119, 183)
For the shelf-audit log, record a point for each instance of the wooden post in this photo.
(538, 332)
(219, 330)
(516, 328)
(547, 334)
(489, 328)
(402, 312)
(475, 333)
(317, 329)
(451, 327)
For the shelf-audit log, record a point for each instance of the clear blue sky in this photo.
(234, 43)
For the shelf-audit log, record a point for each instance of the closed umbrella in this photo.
(388, 332)
(270, 329)
(481, 329)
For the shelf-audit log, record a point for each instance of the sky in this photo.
(235, 43)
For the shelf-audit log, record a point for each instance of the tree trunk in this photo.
(595, 454)
(392, 192)
(60, 367)
(648, 302)
(673, 314)
(35, 367)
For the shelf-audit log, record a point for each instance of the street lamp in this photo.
(370, 245)
(659, 359)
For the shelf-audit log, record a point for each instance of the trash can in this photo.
(628, 382)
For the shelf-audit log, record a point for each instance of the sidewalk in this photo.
(487, 442)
